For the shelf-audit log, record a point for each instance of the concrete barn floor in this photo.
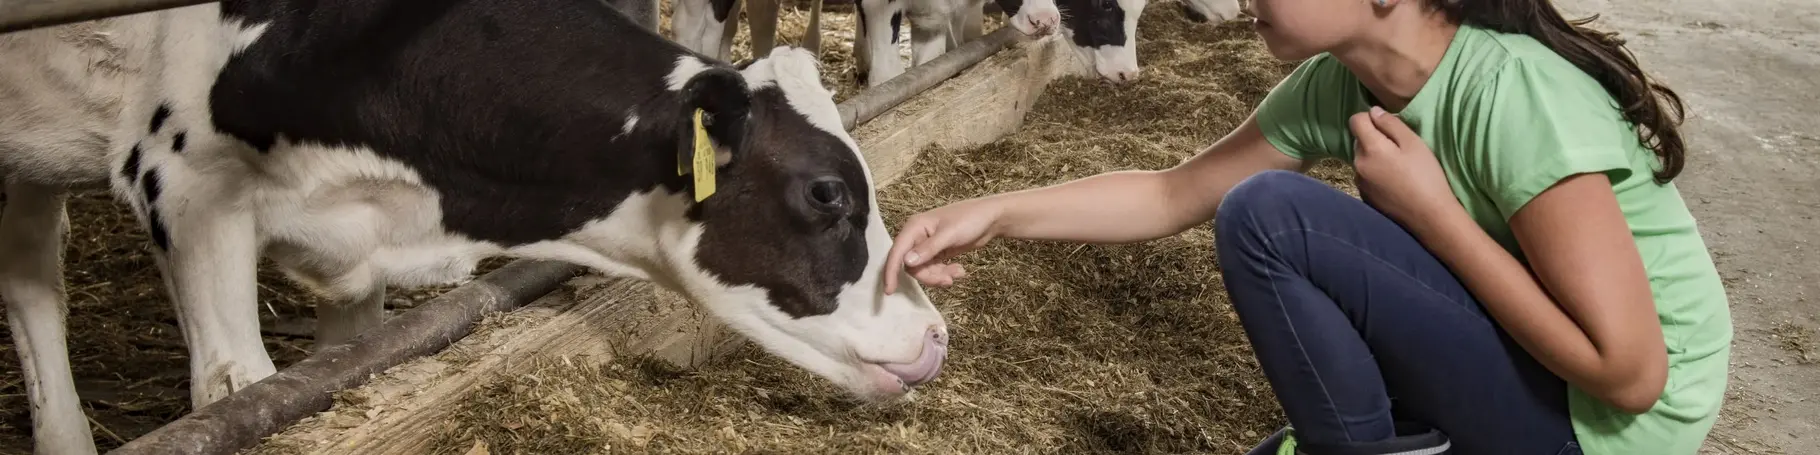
(1749, 71)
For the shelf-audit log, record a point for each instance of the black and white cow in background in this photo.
(1103, 31)
(1204, 11)
(367, 143)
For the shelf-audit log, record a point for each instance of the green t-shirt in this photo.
(1508, 118)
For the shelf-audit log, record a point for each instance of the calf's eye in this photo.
(828, 194)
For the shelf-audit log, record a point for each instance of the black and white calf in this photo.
(367, 143)
(1105, 31)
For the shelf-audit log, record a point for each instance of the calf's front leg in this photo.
(33, 225)
(812, 36)
(355, 294)
(761, 15)
(205, 244)
(930, 37)
(879, 41)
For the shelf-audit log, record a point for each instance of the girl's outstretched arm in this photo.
(1136, 206)
(1114, 207)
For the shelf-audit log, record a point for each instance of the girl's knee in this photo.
(1262, 201)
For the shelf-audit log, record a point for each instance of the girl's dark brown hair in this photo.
(1655, 109)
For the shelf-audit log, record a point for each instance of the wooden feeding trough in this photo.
(970, 96)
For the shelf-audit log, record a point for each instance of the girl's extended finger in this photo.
(907, 239)
(932, 249)
(934, 275)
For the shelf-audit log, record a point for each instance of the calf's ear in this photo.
(724, 104)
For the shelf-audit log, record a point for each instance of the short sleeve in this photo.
(1304, 116)
(1541, 122)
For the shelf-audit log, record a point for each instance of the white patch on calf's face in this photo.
(797, 72)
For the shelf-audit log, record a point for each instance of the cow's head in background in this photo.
(789, 249)
(1216, 11)
(1104, 31)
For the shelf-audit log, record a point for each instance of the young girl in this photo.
(1521, 277)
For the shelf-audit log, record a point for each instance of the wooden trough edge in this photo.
(245, 418)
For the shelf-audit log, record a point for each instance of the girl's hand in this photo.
(1397, 172)
(928, 239)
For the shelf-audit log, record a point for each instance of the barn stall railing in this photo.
(242, 419)
(16, 15)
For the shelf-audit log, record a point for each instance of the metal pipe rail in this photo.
(266, 407)
(16, 15)
(877, 100)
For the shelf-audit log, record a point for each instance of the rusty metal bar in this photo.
(920, 78)
(16, 15)
(269, 406)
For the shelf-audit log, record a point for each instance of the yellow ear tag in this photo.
(704, 161)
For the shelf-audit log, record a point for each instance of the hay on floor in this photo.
(1057, 347)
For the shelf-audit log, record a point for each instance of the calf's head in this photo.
(1103, 31)
(789, 249)
(1203, 11)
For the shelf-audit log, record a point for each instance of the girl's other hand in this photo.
(1397, 171)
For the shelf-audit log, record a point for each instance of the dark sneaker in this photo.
(1411, 439)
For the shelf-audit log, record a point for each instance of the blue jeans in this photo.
(1371, 344)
